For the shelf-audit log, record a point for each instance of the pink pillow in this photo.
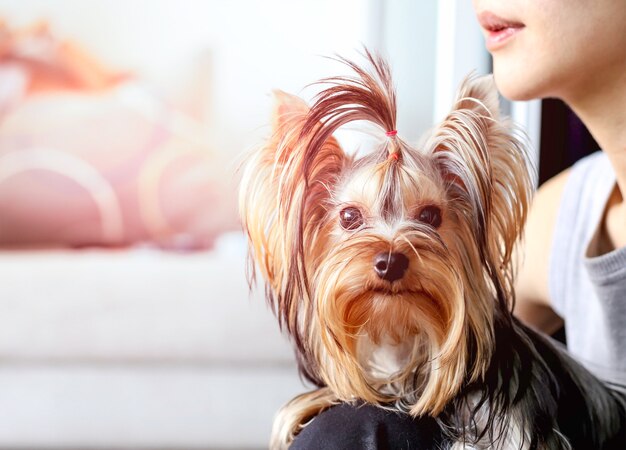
(111, 167)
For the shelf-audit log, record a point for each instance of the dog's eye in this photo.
(430, 215)
(350, 218)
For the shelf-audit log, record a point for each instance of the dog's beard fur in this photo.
(426, 343)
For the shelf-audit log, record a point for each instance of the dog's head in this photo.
(387, 269)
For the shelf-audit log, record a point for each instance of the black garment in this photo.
(366, 427)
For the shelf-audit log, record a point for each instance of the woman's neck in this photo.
(602, 107)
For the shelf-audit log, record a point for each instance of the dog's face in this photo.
(387, 255)
(390, 265)
(385, 268)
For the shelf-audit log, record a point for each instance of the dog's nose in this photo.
(391, 266)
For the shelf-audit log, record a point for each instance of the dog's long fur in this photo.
(440, 341)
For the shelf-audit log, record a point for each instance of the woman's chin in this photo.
(520, 85)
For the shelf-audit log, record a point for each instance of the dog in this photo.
(393, 272)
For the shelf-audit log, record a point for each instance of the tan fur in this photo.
(297, 413)
(321, 281)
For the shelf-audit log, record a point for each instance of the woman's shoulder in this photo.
(532, 279)
(545, 216)
(548, 196)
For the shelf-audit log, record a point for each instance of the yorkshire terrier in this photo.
(393, 271)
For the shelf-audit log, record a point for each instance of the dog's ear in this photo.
(283, 197)
(286, 107)
(479, 94)
(483, 160)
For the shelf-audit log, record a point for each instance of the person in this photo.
(574, 252)
(574, 266)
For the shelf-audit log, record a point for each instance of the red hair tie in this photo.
(391, 133)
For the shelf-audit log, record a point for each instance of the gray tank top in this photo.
(589, 293)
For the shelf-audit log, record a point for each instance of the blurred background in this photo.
(126, 321)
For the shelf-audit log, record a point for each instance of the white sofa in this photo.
(138, 349)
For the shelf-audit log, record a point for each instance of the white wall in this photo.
(460, 51)
(410, 30)
(249, 48)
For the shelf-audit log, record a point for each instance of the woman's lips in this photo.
(499, 30)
